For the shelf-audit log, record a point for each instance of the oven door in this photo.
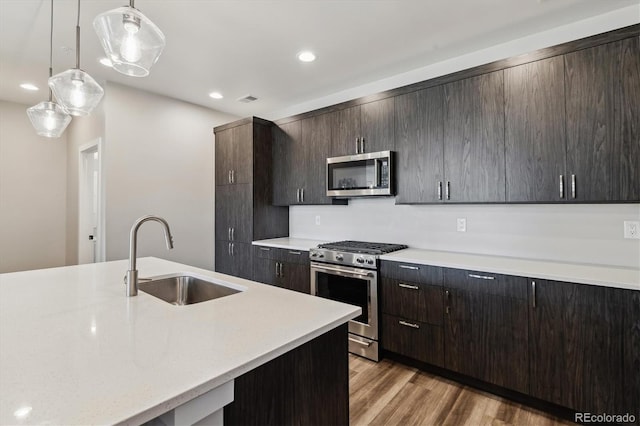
(350, 285)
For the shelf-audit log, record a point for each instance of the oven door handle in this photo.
(360, 342)
(342, 271)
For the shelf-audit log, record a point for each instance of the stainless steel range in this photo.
(347, 271)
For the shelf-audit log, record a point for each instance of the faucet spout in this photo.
(131, 279)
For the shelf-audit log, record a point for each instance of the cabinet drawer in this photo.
(300, 257)
(415, 339)
(416, 301)
(411, 272)
(488, 283)
(263, 252)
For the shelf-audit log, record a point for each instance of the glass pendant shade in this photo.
(49, 119)
(76, 91)
(130, 40)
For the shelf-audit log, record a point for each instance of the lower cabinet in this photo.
(233, 258)
(415, 339)
(283, 268)
(585, 347)
(486, 327)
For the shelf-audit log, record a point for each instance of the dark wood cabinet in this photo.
(364, 128)
(300, 153)
(420, 147)
(486, 327)
(244, 211)
(603, 135)
(283, 268)
(535, 131)
(474, 166)
(412, 311)
(585, 346)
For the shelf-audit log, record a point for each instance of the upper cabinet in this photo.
(603, 124)
(535, 131)
(300, 156)
(474, 139)
(234, 156)
(419, 121)
(363, 128)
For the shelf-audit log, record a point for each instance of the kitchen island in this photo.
(75, 350)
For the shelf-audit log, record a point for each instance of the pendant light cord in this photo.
(78, 38)
(51, 52)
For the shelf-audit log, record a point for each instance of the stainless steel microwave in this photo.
(360, 175)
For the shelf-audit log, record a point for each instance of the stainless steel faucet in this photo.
(131, 279)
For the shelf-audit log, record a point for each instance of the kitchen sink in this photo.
(185, 289)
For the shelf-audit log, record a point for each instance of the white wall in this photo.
(32, 194)
(586, 233)
(159, 159)
(573, 233)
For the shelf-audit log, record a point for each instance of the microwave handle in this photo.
(376, 171)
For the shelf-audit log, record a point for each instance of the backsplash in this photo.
(581, 233)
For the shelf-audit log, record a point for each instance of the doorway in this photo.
(90, 229)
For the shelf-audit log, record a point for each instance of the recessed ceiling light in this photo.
(216, 95)
(106, 62)
(306, 56)
(29, 86)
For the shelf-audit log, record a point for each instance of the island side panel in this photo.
(308, 385)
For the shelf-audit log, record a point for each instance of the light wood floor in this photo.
(389, 393)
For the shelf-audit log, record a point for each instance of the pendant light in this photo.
(48, 118)
(130, 40)
(76, 90)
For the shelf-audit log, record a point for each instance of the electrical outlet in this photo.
(317, 220)
(461, 224)
(632, 229)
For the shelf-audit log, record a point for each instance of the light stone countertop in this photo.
(608, 276)
(75, 350)
(289, 243)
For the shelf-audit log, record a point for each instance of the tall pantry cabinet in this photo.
(243, 207)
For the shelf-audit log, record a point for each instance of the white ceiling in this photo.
(240, 47)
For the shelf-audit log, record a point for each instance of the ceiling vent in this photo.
(247, 99)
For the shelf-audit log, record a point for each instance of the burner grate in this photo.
(363, 247)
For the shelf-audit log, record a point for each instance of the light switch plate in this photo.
(461, 224)
(632, 229)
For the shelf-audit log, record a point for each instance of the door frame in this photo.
(96, 144)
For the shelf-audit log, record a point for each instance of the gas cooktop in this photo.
(362, 247)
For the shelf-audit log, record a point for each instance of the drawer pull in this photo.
(411, 287)
(413, 268)
(359, 342)
(294, 252)
(408, 324)
(265, 249)
(482, 277)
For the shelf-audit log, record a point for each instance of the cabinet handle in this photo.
(357, 145)
(233, 233)
(408, 324)
(482, 277)
(448, 194)
(298, 195)
(229, 233)
(573, 186)
(229, 249)
(277, 272)
(294, 252)
(410, 287)
(413, 268)
(362, 146)
(447, 296)
(229, 176)
(302, 195)
(561, 186)
(233, 176)
(533, 292)
(440, 190)
(281, 270)
(232, 247)
(264, 249)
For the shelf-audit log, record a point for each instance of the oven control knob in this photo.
(370, 261)
(314, 254)
(339, 257)
(360, 260)
(320, 256)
